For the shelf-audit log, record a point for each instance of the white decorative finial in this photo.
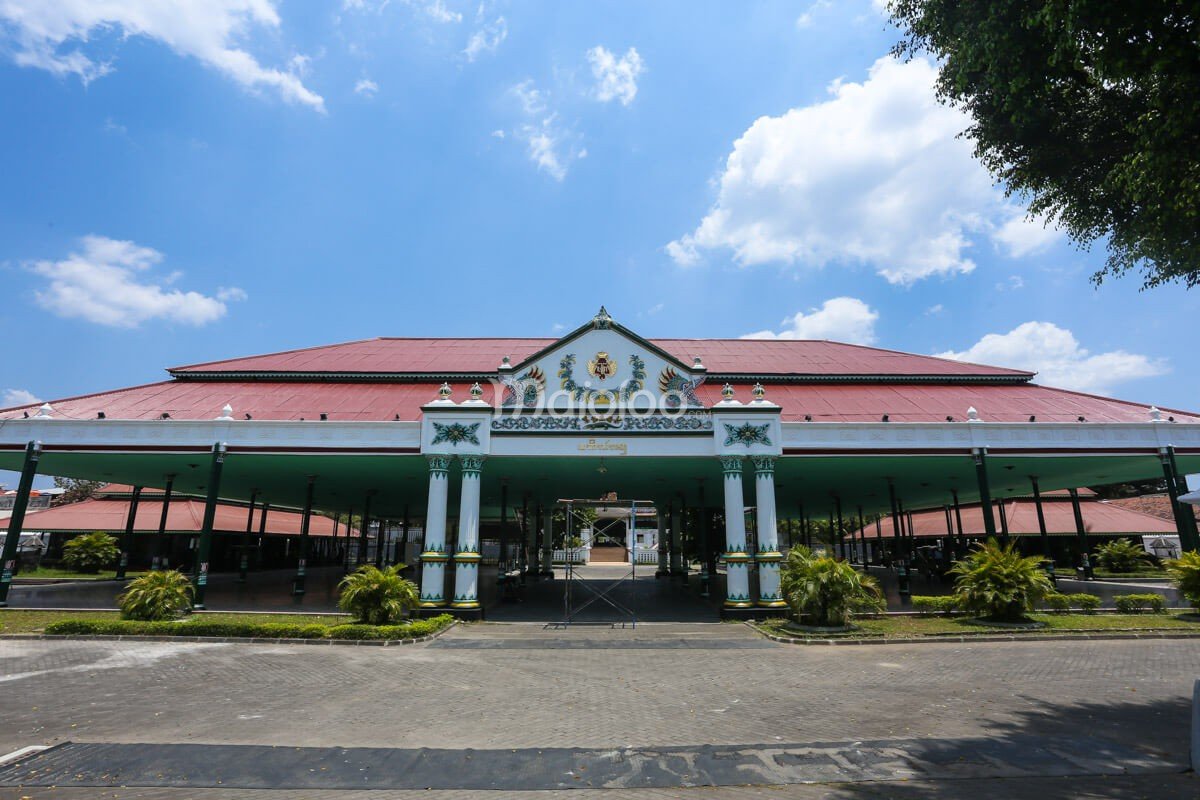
(44, 412)
(1155, 414)
(226, 412)
(505, 363)
(759, 392)
(697, 363)
(476, 391)
(972, 414)
(602, 319)
(727, 393)
(444, 392)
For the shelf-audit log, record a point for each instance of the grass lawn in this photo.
(908, 627)
(54, 572)
(1158, 574)
(18, 620)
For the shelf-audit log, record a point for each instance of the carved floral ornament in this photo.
(747, 434)
(455, 433)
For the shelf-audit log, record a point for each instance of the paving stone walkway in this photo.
(643, 711)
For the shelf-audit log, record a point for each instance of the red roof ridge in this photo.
(935, 358)
(277, 353)
(1131, 509)
(1132, 403)
(87, 396)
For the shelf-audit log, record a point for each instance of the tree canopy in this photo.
(1090, 109)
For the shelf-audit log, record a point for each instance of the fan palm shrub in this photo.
(91, 552)
(165, 594)
(1000, 584)
(1185, 571)
(1121, 555)
(826, 591)
(377, 596)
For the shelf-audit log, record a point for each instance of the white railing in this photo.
(578, 555)
(646, 556)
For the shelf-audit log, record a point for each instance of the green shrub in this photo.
(825, 591)
(1121, 555)
(166, 594)
(999, 583)
(1137, 603)
(377, 596)
(935, 604)
(91, 552)
(1087, 603)
(248, 630)
(1185, 571)
(1057, 602)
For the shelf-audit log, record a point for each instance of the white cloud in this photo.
(17, 397)
(231, 294)
(616, 78)
(549, 144)
(807, 17)
(1055, 354)
(366, 87)
(874, 175)
(934, 310)
(1023, 236)
(437, 11)
(840, 319)
(108, 283)
(486, 39)
(52, 36)
(498, 134)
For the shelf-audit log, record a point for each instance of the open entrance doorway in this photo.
(608, 593)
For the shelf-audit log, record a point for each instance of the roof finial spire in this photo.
(602, 319)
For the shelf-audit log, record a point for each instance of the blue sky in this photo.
(193, 180)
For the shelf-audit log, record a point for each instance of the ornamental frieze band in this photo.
(700, 422)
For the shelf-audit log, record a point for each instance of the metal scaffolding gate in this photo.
(572, 607)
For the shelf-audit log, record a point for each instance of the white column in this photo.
(466, 560)
(768, 555)
(677, 539)
(661, 538)
(737, 576)
(433, 559)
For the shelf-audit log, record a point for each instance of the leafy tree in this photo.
(997, 581)
(826, 591)
(91, 552)
(1121, 555)
(377, 596)
(165, 594)
(1185, 571)
(1090, 108)
(75, 489)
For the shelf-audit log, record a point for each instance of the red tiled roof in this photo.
(278, 400)
(1099, 517)
(1156, 505)
(720, 356)
(185, 515)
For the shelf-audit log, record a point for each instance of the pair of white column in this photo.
(467, 558)
(737, 558)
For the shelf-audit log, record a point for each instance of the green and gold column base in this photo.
(432, 603)
(776, 603)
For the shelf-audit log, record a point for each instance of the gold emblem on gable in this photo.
(601, 366)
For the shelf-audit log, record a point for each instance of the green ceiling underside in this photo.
(343, 481)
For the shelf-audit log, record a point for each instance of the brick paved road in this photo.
(520, 686)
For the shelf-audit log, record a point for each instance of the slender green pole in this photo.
(204, 546)
(985, 492)
(1041, 517)
(1185, 518)
(305, 520)
(8, 557)
(163, 559)
(1085, 560)
(361, 555)
(502, 561)
(127, 539)
(262, 535)
(244, 562)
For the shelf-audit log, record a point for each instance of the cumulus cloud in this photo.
(53, 36)
(840, 319)
(1056, 355)
(486, 39)
(808, 16)
(616, 78)
(109, 282)
(550, 145)
(10, 398)
(874, 175)
(366, 87)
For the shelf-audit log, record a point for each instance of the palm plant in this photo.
(91, 552)
(998, 582)
(377, 596)
(825, 590)
(165, 594)
(1185, 571)
(1121, 555)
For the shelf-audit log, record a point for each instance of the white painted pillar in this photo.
(677, 538)
(433, 559)
(466, 560)
(661, 538)
(737, 575)
(768, 555)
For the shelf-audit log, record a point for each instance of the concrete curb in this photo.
(1060, 636)
(228, 639)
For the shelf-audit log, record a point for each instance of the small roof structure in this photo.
(109, 510)
(1100, 517)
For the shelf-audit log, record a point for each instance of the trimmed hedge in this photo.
(1137, 603)
(1065, 602)
(928, 605)
(247, 630)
